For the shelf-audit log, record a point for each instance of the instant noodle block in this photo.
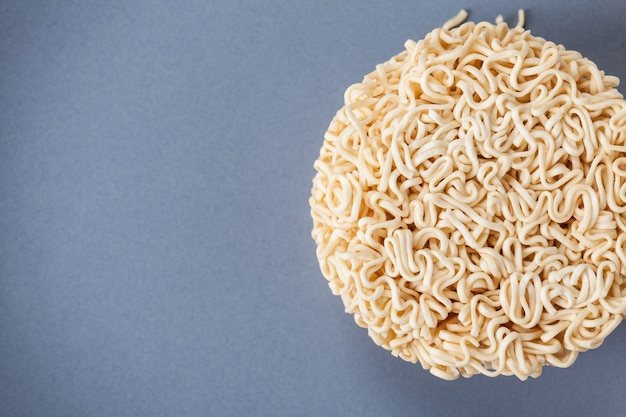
(469, 205)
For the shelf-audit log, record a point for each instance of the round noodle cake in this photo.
(469, 202)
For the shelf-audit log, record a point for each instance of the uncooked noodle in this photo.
(469, 204)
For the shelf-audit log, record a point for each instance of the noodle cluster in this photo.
(469, 204)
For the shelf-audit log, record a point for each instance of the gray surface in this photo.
(155, 257)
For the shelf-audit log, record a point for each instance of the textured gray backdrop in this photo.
(155, 257)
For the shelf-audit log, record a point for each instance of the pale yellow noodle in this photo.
(469, 202)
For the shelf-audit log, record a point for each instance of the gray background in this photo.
(155, 250)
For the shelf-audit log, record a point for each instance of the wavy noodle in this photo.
(469, 202)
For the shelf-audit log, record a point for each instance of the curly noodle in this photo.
(469, 202)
